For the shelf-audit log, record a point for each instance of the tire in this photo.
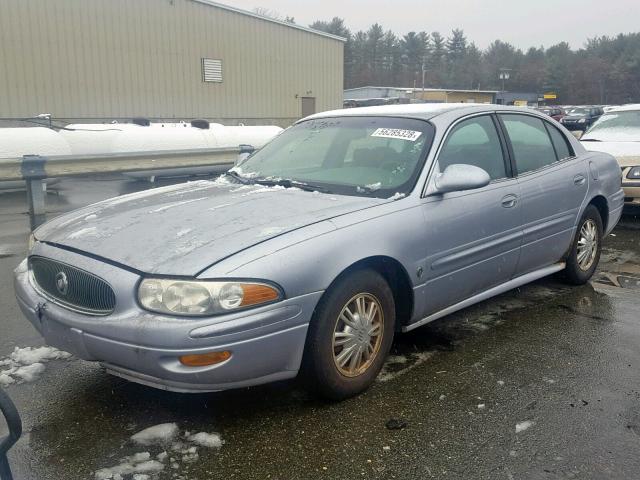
(579, 269)
(321, 369)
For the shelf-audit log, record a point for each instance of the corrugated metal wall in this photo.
(95, 59)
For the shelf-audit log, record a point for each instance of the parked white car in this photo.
(617, 133)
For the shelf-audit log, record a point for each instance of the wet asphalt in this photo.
(562, 361)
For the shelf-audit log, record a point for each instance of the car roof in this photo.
(624, 108)
(423, 111)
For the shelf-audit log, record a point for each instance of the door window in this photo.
(530, 142)
(474, 142)
(559, 142)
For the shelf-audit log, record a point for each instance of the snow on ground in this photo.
(522, 426)
(163, 433)
(397, 365)
(175, 450)
(27, 364)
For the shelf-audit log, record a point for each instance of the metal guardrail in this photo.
(14, 423)
(34, 169)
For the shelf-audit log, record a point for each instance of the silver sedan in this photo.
(310, 255)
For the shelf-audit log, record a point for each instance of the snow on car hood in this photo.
(182, 229)
(627, 153)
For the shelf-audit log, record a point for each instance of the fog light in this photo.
(205, 359)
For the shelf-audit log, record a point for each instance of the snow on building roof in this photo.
(270, 19)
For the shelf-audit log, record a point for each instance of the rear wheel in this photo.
(586, 248)
(350, 335)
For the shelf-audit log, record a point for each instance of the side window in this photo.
(530, 141)
(559, 142)
(474, 142)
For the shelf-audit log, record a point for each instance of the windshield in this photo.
(378, 156)
(616, 126)
(580, 111)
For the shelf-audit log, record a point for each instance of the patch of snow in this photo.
(209, 440)
(5, 379)
(267, 232)
(138, 464)
(183, 232)
(238, 170)
(442, 397)
(178, 449)
(83, 232)
(93, 216)
(522, 426)
(219, 206)
(29, 373)
(176, 204)
(501, 382)
(374, 186)
(389, 373)
(27, 364)
(158, 434)
(481, 406)
(29, 355)
(397, 196)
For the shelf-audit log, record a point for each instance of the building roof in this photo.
(419, 89)
(270, 19)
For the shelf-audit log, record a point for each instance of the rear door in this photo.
(553, 185)
(472, 238)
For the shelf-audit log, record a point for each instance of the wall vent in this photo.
(211, 70)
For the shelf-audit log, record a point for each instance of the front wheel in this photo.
(586, 248)
(350, 335)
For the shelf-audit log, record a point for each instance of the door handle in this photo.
(579, 180)
(509, 201)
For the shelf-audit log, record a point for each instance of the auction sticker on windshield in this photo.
(410, 135)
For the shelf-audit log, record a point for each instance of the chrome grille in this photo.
(72, 287)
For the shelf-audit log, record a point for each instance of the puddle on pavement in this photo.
(620, 280)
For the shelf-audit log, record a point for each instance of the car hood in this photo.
(627, 153)
(183, 229)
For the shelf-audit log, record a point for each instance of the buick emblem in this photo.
(62, 283)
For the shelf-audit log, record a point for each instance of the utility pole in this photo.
(505, 73)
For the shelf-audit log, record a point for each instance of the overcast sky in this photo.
(523, 23)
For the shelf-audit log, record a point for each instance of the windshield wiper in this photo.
(287, 183)
(239, 177)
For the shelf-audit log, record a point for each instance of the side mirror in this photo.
(12, 417)
(460, 177)
(245, 152)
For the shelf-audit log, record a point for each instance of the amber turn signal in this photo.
(255, 294)
(205, 359)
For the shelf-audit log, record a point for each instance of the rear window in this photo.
(559, 142)
(532, 147)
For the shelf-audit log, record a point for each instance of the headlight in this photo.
(202, 297)
(32, 242)
(582, 120)
(634, 173)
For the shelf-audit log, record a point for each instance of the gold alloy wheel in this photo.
(587, 245)
(357, 335)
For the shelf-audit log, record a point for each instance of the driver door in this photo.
(473, 237)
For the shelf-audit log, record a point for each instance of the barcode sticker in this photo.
(410, 135)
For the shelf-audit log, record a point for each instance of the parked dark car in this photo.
(581, 118)
(556, 113)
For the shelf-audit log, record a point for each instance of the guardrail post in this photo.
(14, 423)
(34, 174)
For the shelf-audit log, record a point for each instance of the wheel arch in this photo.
(397, 278)
(601, 204)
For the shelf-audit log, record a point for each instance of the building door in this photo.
(308, 106)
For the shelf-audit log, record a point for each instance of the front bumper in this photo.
(631, 187)
(266, 343)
